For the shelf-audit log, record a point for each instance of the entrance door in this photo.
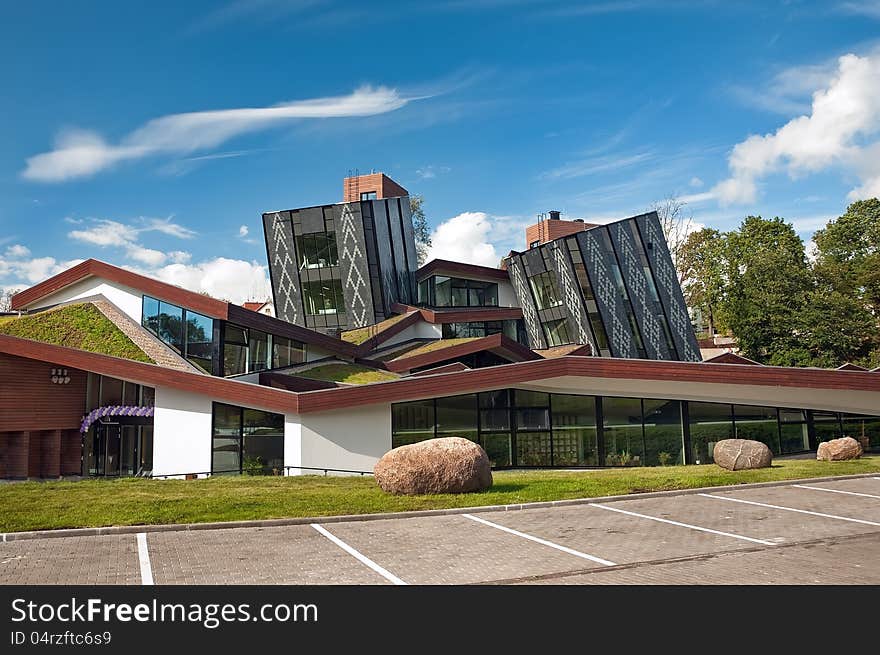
(120, 450)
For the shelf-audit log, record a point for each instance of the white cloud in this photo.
(243, 231)
(465, 238)
(844, 114)
(696, 182)
(104, 233)
(25, 272)
(229, 279)
(179, 256)
(146, 255)
(17, 250)
(82, 153)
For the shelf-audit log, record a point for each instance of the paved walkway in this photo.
(822, 533)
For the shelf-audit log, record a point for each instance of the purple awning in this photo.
(113, 410)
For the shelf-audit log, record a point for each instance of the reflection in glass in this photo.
(664, 441)
(758, 424)
(709, 424)
(622, 423)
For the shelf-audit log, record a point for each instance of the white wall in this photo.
(181, 433)
(352, 439)
(420, 330)
(127, 299)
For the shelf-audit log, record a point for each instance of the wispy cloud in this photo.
(870, 8)
(255, 10)
(83, 153)
(430, 172)
(594, 165)
(788, 92)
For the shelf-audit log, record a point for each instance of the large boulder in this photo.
(450, 465)
(740, 454)
(839, 449)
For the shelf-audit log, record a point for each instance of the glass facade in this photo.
(118, 446)
(443, 291)
(512, 329)
(246, 441)
(520, 428)
(317, 250)
(191, 334)
(247, 350)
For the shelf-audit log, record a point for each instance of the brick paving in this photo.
(793, 548)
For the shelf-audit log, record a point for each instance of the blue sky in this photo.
(153, 134)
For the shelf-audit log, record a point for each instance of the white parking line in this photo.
(686, 525)
(360, 557)
(792, 509)
(543, 542)
(835, 491)
(144, 559)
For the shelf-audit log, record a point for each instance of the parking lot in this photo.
(799, 533)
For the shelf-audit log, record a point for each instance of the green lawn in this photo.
(132, 501)
(76, 326)
(348, 373)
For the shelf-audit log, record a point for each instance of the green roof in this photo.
(347, 373)
(82, 326)
(439, 344)
(359, 335)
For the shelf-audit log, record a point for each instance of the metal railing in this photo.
(190, 475)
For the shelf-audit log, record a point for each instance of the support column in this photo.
(71, 452)
(16, 449)
(34, 451)
(50, 453)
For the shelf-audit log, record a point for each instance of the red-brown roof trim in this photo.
(731, 358)
(496, 343)
(96, 268)
(447, 267)
(440, 384)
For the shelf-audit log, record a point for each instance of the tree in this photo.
(677, 224)
(768, 282)
(701, 264)
(834, 328)
(848, 253)
(6, 299)
(421, 231)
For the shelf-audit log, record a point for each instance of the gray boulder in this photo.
(839, 449)
(450, 465)
(741, 454)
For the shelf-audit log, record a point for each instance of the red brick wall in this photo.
(384, 186)
(549, 230)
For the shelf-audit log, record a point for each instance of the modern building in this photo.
(611, 286)
(576, 353)
(342, 266)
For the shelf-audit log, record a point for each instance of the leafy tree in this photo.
(848, 253)
(834, 328)
(701, 265)
(768, 283)
(421, 231)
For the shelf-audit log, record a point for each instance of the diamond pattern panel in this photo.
(283, 263)
(351, 259)
(670, 290)
(571, 295)
(530, 314)
(608, 299)
(644, 307)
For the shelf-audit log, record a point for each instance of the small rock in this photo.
(741, 454)
(449, 465)
(839, 449)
